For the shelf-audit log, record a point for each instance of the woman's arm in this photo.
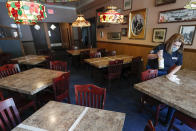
(176, 69)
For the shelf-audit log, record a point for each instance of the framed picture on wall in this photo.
(127, 4)
(114, 36)
(124, 31)
(164, 2)
(137, 24)
(159, 35)
(177, 15)
(188, 31)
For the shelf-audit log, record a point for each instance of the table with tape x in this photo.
(67, 117)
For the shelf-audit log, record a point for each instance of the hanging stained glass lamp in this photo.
(81, 22)
(111, 16)
(191, 4)
(26, 12)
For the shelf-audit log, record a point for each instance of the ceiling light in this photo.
(111, 16)
(37, 27)
(191, 4)
(25, 12)
(81, 22)
(52, 27)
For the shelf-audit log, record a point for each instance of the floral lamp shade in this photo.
(26, 12)
(111, 16)
(81, 22)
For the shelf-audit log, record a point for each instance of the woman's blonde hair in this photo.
(174, 38)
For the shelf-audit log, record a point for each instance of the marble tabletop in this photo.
(56, 116)
(30, 59)
(103, 62)
(29, 81)
(77, 52)
(181, 97)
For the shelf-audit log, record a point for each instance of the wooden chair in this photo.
(90, 95)
(9, 115)
(147, 75)
(21, 100)
(135, 69)
(58, 65)
(149, 126)
(60, 90)
(114, 71)
(84, 55)
(191, 122)
(9, 69)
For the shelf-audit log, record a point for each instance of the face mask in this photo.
(174, 49)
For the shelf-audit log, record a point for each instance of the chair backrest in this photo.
(61, 85)
(90, 95)
(9, 114)
(149, 74)
(58, 65)
(115, 67)
(84, 54)
(136, 66)
(149, 126)
(9, 69)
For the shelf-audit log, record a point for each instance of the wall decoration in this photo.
(137, 24)
(159, 35)
(8, 33)
(127, 4)
(125, 19)
(124, 31)
(164, 2)
(114, 36)
(177, 15)
(188, 31)
(101, 34)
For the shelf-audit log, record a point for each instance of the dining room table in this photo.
(58, 116)
(30, 81)
(181, 97)
(103, 62)
(76, 52)
(30, 59)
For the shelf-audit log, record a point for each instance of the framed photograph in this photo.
(114, 36)
(159, 35)
(177, 15)
(125, 19)
(101, 34)
(124, 31)
(8, 33)
(137, 24)
(127, 4)
(164, 2)
(188, 31)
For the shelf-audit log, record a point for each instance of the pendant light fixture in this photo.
(26, 11)
(81, 22)
(111, 16)
(191, 4)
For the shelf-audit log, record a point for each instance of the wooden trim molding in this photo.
(141, 45)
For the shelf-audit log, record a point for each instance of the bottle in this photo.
(161, 60)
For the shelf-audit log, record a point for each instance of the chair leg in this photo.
(171, 123)
(157, 114)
